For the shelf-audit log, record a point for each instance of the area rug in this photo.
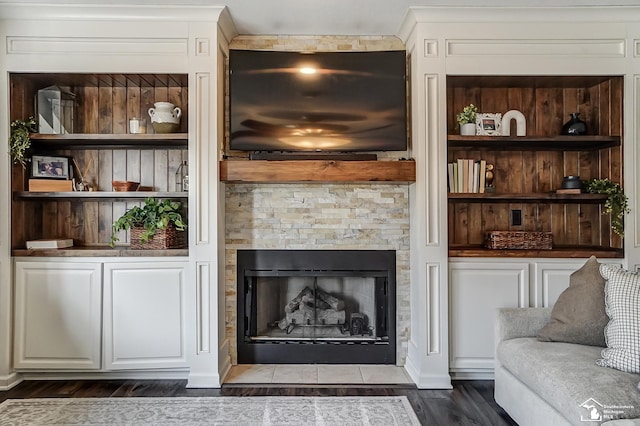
(184, 411)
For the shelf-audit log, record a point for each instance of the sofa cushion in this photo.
(565, 375)
(622, 303)
(578, 315)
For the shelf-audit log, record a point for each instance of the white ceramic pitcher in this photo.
(165, 117)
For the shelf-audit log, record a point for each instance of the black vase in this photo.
(574, 126)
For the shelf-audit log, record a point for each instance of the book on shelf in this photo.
(467, 175)
(50, 243)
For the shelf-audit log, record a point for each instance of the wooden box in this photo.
(50, 185)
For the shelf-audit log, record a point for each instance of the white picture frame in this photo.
(488, 124)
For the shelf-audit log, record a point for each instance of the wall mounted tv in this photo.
(320, 102)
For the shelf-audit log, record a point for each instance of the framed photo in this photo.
(49, 167)
(488, 124)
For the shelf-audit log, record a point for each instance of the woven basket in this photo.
(169, 238)
(525, 240)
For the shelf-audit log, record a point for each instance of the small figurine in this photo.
(488, 179)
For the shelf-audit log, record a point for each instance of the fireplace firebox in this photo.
(316, 306)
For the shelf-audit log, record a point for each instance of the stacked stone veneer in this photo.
(322, 217)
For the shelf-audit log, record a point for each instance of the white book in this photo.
(53, 243)
(476, 176)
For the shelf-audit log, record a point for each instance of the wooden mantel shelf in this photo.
(320, 171)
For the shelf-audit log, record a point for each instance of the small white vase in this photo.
(468, 129)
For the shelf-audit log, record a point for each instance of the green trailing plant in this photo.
(617, 203)
(19, 141)
(468, 115)
(153, 215)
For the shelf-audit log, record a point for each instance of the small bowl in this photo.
(124, 185)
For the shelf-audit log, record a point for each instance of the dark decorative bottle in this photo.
(574, 126)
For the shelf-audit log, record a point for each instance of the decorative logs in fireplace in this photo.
(313, 309)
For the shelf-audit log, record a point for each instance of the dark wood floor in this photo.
(468, 403)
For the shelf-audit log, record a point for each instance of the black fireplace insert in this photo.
(316, 306)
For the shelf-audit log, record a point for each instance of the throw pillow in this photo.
(622, 303)
(578, 315)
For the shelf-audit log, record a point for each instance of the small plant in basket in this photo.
(153, 216)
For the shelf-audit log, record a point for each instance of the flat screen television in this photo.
(323, 101)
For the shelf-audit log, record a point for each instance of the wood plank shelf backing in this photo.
(321, 171)
(528, 170)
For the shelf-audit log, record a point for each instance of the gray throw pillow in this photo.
(578, 315)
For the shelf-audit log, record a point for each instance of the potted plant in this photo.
(19, 141)
(155, 225)
(617, 203)
(467, 120)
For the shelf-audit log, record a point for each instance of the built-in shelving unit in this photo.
(529, 169)
(101, 147)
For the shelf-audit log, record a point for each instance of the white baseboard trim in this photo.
(204, 381)
(127, 375)
(472, 375)
(9, 381)
(427, 381)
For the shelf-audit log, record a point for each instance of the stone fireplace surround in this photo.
(319, 216)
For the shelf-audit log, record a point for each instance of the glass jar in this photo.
(182, 177)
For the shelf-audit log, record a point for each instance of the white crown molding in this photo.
(73, 12)
(520, 14)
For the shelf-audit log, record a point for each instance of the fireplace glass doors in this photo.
(306, 306)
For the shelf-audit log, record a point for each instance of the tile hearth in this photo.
(317, 374)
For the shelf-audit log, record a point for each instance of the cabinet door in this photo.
(144, 314)
(476, 291)
(551, 279)
(57, 315)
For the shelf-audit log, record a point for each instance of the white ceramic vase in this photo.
(468, 129)
(165, 117)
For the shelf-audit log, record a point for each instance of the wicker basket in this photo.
(519, 240)
(169, 238)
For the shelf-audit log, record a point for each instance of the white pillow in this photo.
(622, 334)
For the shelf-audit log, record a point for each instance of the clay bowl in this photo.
(124, 185)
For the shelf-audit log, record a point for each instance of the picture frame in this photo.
(488, 124)
(50, 167)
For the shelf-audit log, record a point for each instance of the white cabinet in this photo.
(476, 290)
(144, 315)
(57, 315)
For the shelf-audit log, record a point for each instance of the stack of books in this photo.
(467, 175)
(53, 243)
